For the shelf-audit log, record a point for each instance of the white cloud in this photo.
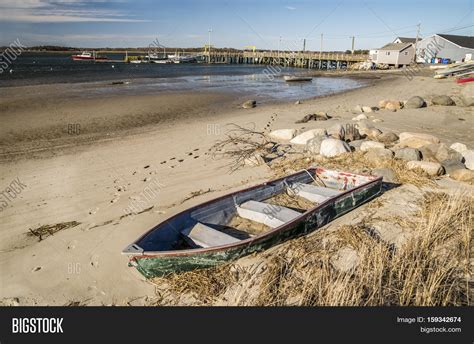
(57, 11)
(290, 8)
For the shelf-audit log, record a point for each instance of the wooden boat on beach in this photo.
(293, 78)
(250, 220)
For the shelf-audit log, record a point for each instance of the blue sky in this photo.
(236, 23)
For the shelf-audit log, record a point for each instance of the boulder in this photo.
(408, 154)
(314, 145)
(452, 165)
(298, 102)
(283, 134)
(458, 147)
(387, 137)
(383, 103)
(359, 117)
(427, 154)
(467, 94)
(301, 139)
(367, 109)
(371, 145)
(415, 103)
(318, 116)
(333, 147)
(431, 168)
(442, 152)
(337, 131)
(371, 133)
(255, 160)
(389, 175)
(463, 175)
(442, 100)
(345, 260)
(417, 140)
(393, 105)
(356, 144)
(249, 104)
(357, 109)
(379, 155)
(468, 156)
(377, 120)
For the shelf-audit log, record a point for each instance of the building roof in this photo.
(407, 39)
(396, 46)
(462, 41)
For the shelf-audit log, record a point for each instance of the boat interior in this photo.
(248, 213)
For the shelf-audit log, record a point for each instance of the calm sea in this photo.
(257, 80)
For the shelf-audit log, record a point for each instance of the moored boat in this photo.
(87, 56)
(290, 78)
(223, 229)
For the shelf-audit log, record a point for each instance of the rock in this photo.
(442, 100)
(360, 117)
(379, 155)
(333, 147)
(458, 147)
(427, 154)
(377, 120)
(301, 139)
(415, 103)
(314, 145)
(417, 140)
(255, 160)
(388, 174)
(393, 105)
(391, 233)
(431, 168)
(371, 133)
(356, 144)
(462, 175)
(319, 116)
(283, 134)
(297, 102)
(337, 131)
(467, 94)
(357, 109)
(442, 152)
(249, 104)
(383, 103)
(387, 137)
(345, 260)
(408, 154)
(371, 145)
(452, 165)
(367, 109)
(468, 156)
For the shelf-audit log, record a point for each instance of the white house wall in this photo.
(436, 46)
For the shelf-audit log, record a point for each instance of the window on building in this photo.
(388, 52)
(406, 52)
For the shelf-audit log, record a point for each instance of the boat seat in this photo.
(268, 214)
(205, 236)
(313, 193)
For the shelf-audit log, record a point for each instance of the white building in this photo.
(394, 54)
(443, 46)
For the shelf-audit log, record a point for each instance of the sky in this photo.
(236, 23)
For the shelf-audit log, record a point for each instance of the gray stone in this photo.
(283, 134)
(442, 152)
(469, 159)
(303, 138)
(431, 168)
(345, 260)
(356, 144)
(467, 94)
(357, 109)
(417, 140)
(463, 175)
(379, 155)
(415, 103)
(314, 145)
(442, 100)
(333, 147)
(408, 154)
(367, 109)
(458, 147)
(249, 104)
(452, 165)
(367, 145)
(388, 174)
(337, 131)
(387, 137)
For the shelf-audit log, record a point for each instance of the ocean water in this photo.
(261, 82)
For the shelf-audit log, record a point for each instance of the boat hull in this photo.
(154, 265)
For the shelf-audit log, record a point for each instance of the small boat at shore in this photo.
(291, 78)
(88, 56)
(250, 220)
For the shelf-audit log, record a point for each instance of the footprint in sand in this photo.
(163, 162)
(190, 153)
(36, 268)
(173, 158)
(197, 156)
(180, 160)
(196, 150)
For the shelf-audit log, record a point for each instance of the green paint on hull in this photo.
(164, 265)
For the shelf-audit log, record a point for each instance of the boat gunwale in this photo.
(255, 239)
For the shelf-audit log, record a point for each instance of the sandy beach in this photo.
(85, 159)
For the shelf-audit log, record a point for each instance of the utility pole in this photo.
(279, 46)
(321, 48)
(209, 45)
(417, 37)
(304, 44)
(353, 40)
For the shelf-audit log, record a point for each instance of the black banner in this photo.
(290, 325)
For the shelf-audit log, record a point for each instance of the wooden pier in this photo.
(311, 60)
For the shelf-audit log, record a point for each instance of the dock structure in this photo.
(311, 60)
